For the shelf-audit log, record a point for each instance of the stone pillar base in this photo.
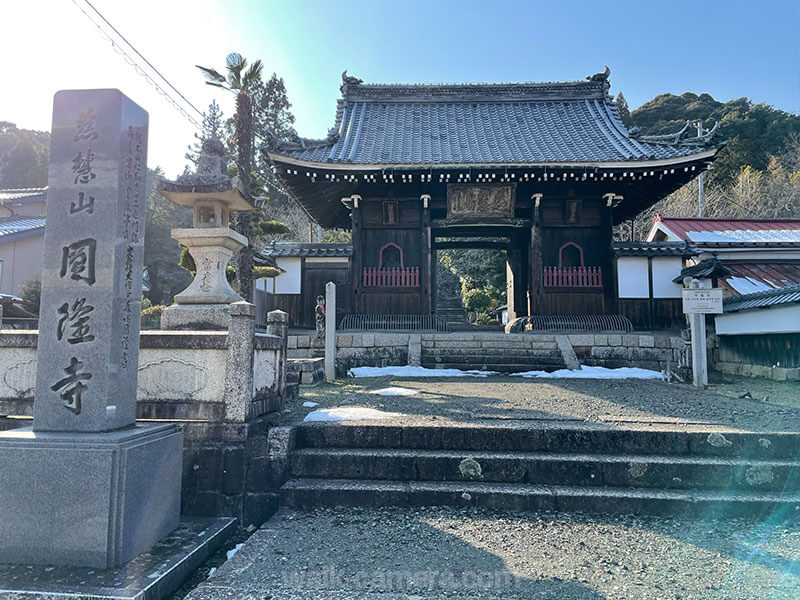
(196, 316)
(88, 499)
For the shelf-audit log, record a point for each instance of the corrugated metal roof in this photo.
(15, 227)
(472, 124)
(786, 295)
(683, 249)
(308, 250)
(23, 195)
(699, 230)
(758, 277)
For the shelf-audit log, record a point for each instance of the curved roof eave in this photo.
(661, 162)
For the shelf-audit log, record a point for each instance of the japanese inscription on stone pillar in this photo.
(88, 349)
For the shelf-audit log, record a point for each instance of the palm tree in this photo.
(241, 79)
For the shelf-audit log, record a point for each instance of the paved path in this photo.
(389, 554)
(597, 401)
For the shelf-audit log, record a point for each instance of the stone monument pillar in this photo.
(86, 486)
(211, 195)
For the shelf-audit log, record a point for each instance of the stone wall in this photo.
(361, 349)
(654, 352)
(225, 389)
(773, 356)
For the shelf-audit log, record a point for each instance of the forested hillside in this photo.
(756, 175)
(24, 157)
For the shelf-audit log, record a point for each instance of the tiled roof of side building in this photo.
(23, 195)
(787, 295)
(683, 249)
(294, 249)
(17, 227)
(484, 124)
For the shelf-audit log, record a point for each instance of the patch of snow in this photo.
(310, 404)
(348, 413)
(395, 391)
(211, 571)
(595, 373)
(409, 371)
(235, 549)
(745, 235)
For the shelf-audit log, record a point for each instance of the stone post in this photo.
(278, 325)
(697, 324)
(239, 371)
(86, 486)
(330, 331)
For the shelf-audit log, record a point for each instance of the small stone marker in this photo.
(88, 352)
(330, 331)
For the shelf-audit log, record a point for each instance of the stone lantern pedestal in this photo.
(212, 244)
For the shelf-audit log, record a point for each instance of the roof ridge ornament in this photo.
(680, 137)
(600, 76)
(348, 80)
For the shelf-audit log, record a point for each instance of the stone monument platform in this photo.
(88, 499)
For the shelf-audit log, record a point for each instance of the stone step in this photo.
(310, 370)
(307, 493)
(515, 436)
(510, 352)
(515, 366)
(475, 345)
(545, 468)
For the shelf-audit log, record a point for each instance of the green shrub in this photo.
(476, 300)
(31, 290)
(151, 316)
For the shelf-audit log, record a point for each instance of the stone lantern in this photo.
(211, 195)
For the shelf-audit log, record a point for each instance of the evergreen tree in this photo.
(623, 110)
(213, 126)
(19, 167)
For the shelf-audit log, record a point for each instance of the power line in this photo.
(133, 63)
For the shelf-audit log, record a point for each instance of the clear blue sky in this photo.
(726, 48)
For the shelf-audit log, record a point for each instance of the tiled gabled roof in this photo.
(308, 250)
(481, 124)
(13, 228)
(23, 195)
(787, 295)
(682, 249)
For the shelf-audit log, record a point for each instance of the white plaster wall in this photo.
(665, 269)
(182, 374)
(264, 368)
(779, 319)
(288, 282)
(632, 277)
(18, 366)
(175, 374)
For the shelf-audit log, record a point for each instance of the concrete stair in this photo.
(564, 468)
(506, 353)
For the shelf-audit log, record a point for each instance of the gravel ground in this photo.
(460, 553)
(632, 400)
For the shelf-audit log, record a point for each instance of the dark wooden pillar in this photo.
(517, 276)
(535, 300)
(427, 265)
(358, 251)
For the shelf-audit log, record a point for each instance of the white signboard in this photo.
(706, 301)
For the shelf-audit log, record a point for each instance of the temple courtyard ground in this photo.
(382, 553)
